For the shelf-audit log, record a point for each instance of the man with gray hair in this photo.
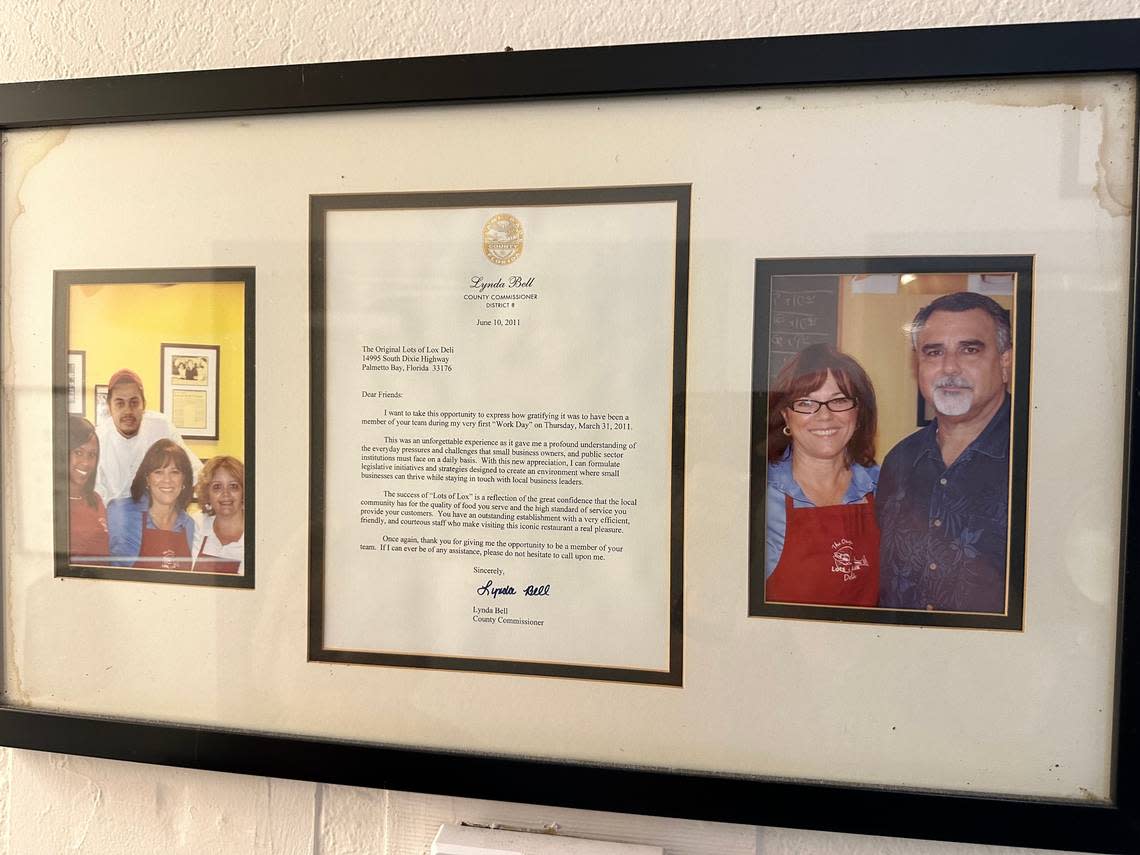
(943, 495)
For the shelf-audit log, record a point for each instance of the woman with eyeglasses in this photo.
(821, 540)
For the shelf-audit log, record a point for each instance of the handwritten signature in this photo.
(490, 589)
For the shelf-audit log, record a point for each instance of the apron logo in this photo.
(168, 562)
(844, 560)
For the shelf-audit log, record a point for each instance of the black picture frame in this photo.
(99, 412)
(208, 361)
(64, 282)
(77, 382)
(320, 207)
(764, 332)
(845, 59)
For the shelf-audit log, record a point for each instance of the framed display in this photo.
(190, 388)
(138, 495)
(923, 412)
(511, 515)
(102, 413)
(937, 536)
(524, 404)
(76, 382)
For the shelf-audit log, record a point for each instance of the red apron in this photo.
(214, 565)
(830, 557)
(162, 550)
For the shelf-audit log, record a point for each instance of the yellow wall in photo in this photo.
(124, 326)
(873, 330)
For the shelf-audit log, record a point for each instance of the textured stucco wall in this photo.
(83, 38)
(58, 804)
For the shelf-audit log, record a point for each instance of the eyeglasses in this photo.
(808, 406)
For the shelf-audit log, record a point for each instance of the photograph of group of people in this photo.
(888, 433)
(142, 501)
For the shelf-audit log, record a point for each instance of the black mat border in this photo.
(63, 281)
(1022, 265)
(319, 207)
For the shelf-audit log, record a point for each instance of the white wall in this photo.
(83, 38)
(60, 804)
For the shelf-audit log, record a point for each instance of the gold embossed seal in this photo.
(502, 239)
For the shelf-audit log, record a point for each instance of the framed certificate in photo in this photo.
(76, 383)
(190, 388)
(734, 430)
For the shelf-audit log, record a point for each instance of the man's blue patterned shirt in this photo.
(944, 529)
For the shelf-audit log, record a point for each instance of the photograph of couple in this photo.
(887, 399)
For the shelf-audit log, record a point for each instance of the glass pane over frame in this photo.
(1038, 168)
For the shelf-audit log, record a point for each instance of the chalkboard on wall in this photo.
(804, 311)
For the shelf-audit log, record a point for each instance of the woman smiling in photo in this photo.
(87, 517)
(151, 529)
(220, 543)
(821, 539)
